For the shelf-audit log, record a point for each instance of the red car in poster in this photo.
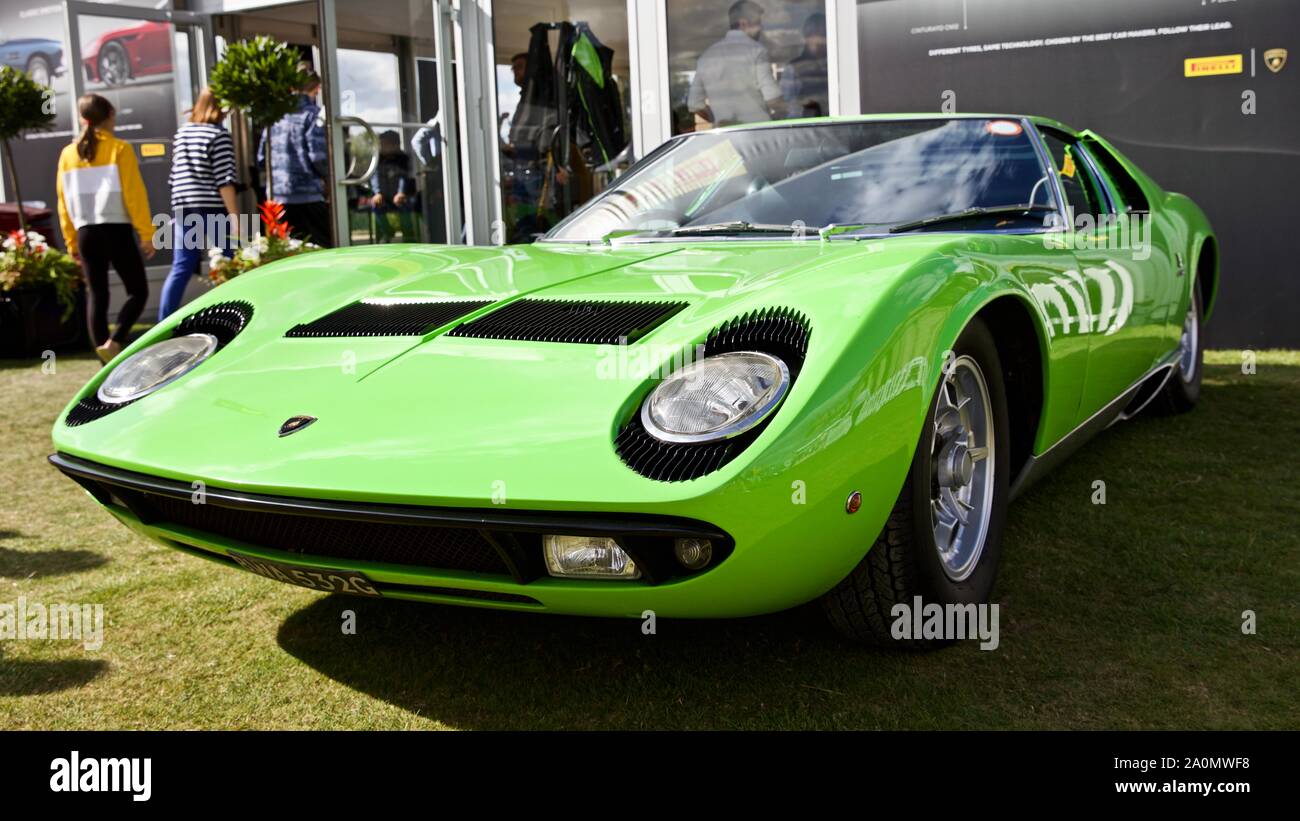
(126, 53)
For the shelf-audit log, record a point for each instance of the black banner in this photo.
(333, 771)
(1200, 93)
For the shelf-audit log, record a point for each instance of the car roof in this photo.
(867, 118)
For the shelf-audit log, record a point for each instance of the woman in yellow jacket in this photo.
(104, 212)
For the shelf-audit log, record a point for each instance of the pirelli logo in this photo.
(1209, 66)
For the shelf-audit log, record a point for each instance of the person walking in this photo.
(104, 213)
(299, 165)
(202, 182)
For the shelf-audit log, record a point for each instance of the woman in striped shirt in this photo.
(203, 196)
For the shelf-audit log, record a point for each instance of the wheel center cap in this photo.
(956, 467)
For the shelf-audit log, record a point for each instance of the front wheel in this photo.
(943, 539)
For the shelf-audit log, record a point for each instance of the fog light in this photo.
(588, 557)
(694, 554)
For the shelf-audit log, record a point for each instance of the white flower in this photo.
(294, 244)
(251, 254)
(35, 238)
(215, 257)
(261, 243)
(10, 244)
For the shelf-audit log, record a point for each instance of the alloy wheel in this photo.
(1187, 345)
(962, 463)
(112, 66)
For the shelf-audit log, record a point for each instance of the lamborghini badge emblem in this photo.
(1275, 58)
(295, 423)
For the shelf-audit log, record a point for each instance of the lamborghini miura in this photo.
(772, 364)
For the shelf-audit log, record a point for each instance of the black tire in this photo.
(1181, 392)
(40, 70)
(904, 562)
(114, 51)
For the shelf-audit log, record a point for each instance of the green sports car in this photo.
(774, 363)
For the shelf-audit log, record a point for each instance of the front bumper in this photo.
(475, 557)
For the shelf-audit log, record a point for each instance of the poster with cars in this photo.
(130, 62)
(1200, 93)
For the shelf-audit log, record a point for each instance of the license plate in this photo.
(314, 578)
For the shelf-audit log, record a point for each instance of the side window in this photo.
(1082, 190)
(1130, 193)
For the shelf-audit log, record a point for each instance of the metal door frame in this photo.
(199, 68)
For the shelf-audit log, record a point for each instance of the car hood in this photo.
(470, 421)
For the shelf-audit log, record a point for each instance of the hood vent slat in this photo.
(588, 322)
(381, 318)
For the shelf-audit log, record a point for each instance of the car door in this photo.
(1124, 301)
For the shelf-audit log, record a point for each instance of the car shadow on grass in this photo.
(475, 668)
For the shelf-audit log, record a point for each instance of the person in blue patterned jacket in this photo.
(299, 166)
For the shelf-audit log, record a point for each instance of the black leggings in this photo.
(112, 244)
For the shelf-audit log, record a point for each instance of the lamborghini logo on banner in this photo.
(1275, 58)
(1208, 66)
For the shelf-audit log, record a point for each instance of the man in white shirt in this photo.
(733, 78)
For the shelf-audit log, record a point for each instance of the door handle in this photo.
(348, 177)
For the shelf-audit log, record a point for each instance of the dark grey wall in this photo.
(1189, 133)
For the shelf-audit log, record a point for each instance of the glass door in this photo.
(381, 71)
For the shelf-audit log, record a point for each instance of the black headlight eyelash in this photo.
(224, 320)
(781, 332)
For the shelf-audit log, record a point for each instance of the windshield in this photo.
(862, 176)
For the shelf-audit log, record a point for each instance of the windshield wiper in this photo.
(967, 214)
(740, 227)
(619, 233)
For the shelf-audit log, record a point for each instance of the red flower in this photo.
(273, 219)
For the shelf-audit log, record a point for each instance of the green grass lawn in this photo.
(1126, 615)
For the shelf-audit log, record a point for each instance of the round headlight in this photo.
(716, 398)
(148, 370)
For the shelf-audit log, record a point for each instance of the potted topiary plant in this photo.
(25, 106)
(261, 79)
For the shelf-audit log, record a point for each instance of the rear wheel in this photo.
(943, 539)
(1182, 389)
